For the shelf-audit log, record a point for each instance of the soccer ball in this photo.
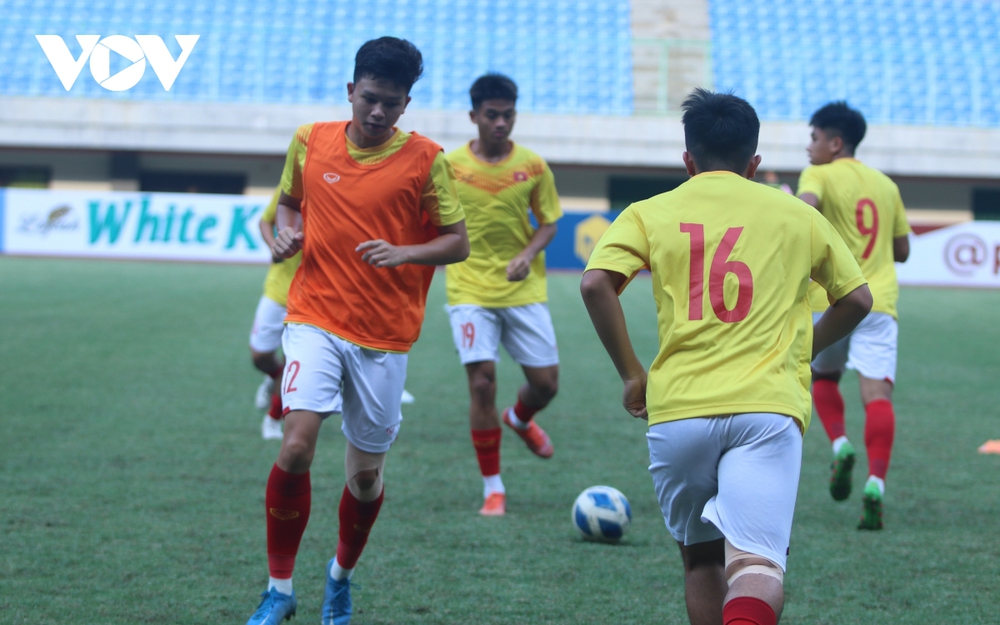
(602, 513)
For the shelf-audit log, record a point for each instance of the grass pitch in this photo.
(132, 471)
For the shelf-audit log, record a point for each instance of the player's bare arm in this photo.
(810, 199)
(841, 318)
(520, 266)
(901, 248)
(599, 289)
(288, 219)
(450, 246)
(267, 233)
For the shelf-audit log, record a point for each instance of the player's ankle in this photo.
(838, 443)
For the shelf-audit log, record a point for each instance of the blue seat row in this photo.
(899, 61)
(568, 57)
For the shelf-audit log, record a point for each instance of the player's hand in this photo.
(378, 253)
(518, 269)
(634, 397)
(287, 244)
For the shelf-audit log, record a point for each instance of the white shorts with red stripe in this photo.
(870, 349)
(526, 333)
(327, 374)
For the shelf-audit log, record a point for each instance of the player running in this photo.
(864, 206)
(269, 323)
(379, 209)
(727, 398)
(499, 294)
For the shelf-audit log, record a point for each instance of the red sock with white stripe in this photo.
(880, 429)
(830, 407)
(288, 500)
(748, 611)
(487, 444)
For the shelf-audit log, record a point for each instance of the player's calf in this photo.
(756, 588)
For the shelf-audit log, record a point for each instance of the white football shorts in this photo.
(326, 374)
(526, 333)
(870, 349)
(268, 324)
(733, 476)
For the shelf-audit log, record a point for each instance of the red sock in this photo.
(525, 413)
(275, 411)
(880, 428)
(288, 498)
(487, 444)
(829, 407)
(356, 521)
(748, 611)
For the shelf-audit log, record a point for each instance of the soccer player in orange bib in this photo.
(499, 294)
(379, 210)
(864, 206)
(727, 397)
(269, 323)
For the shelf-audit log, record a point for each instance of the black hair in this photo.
(389, 58)
(839, 120)
(492, 87)
(720, 130)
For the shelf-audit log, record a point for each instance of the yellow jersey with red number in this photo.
(496, 198)
(731, 261)
(865, 207)
(279, 276)
(394, 196)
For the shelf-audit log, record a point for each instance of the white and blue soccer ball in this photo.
(602, 513)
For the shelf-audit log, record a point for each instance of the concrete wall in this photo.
(938, 166)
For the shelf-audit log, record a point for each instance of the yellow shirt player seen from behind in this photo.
(727, 396)
(498, 295)
(865, 208)
(269, 323)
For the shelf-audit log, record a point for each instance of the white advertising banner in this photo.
(966, 254)
(117, 224)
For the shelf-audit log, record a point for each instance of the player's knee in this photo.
(483, 387)
(296, 451)
(263, 361)
(740, 563)
(366, 479)
(546, 387)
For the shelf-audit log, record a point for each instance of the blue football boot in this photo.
(274, 607)
(336, 600)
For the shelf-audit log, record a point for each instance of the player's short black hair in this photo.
(389, 58)
(492, 87)
(720, 130)
(840, 120)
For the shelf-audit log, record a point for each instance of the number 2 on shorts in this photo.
(290, 373)
(721, 266)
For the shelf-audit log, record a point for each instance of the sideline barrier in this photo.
(116, 224)
(188, 227)
(224, 228)
(963, 255)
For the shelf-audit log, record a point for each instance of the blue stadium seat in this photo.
(918, 53)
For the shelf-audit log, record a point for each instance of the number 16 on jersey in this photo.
(721, 266)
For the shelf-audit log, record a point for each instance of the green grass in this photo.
(132, 471)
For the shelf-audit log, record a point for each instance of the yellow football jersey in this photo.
(864, 206)
(279, 276)
(731, 261)
(496, 198)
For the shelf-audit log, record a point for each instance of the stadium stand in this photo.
(918, 62)
(568, 57)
